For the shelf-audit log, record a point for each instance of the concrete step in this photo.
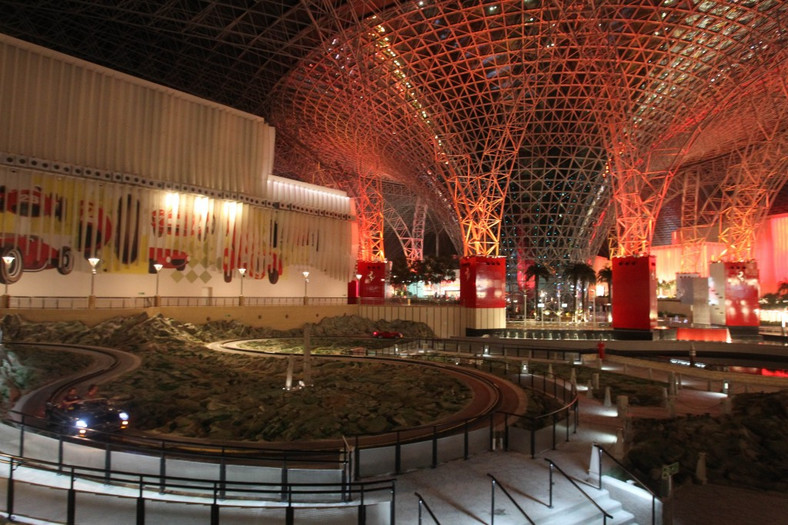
(585, 512)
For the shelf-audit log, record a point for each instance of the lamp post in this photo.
(358, 288)
(156, 298)
(242, 271)
(92, 297)
(8, 260)
(306, 284)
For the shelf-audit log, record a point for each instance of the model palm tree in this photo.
(537, 271)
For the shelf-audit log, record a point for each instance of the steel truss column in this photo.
(701, 205)
(370, 206)
(758, 166)
(411, 238)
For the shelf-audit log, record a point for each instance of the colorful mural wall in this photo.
(48, 220)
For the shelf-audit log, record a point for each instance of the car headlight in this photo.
(82, 426)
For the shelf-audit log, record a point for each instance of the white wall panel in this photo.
(62, 109)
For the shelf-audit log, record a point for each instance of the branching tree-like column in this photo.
(411, 237)
(668, 115)
(567, 102)
(701, 205)
(758, 169)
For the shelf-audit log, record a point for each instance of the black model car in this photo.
(86, 416)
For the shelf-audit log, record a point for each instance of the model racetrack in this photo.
(109, 364)
(490, 394)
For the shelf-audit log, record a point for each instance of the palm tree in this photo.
(581, 274)
(537, 271)
(782, 290)
(605, 275)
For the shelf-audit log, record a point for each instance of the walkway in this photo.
(459, 492)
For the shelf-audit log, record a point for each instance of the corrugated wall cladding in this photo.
(66, 110)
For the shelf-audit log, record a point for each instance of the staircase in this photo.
(584, 512)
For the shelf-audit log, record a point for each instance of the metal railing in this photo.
(507, 348)
(423, 504)
(149, 301)
(107, 448)
(551, 385)
(605, 515)
(107, 303)
(654, 498)
(548, 384)
(495, 483)
(217, 495)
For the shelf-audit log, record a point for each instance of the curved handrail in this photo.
(492, 503)
(208, 491)
(654, 497)
(429, 510)
(573, 392)
(202, 451)
(583, 492)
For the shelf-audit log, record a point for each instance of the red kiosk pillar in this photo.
(734, 289)
(483, 293)
(372, 285)
(635, 295)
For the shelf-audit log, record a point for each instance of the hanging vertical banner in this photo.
(49, 221)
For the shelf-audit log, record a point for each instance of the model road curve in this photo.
(490, 394)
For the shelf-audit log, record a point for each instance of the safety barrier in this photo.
(82, 494)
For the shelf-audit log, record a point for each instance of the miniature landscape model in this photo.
(184, 388)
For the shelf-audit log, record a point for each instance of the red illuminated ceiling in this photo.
(518, 122)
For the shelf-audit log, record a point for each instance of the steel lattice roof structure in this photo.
(530, 128)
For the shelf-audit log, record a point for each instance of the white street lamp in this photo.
(92, 298)
(306, 284)
(157, 267)
(8, 260)
(358, 288)
(242, 271)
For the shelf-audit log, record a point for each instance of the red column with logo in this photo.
(483, 282)
(635, 293)
(742, 289)
(372, 285)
